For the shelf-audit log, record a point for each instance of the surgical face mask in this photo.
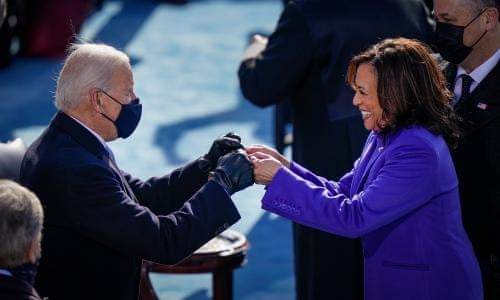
(449, 39)
(128, 118)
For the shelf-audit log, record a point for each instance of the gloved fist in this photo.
(234, 172)
(229, 142)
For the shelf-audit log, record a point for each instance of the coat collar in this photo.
(487, 87)
(12, 285)
(87, 140)
(368, 157)
(80, 134)
(450, 72)
(485, 94)
(373, 150)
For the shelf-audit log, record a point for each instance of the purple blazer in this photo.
(402, 199)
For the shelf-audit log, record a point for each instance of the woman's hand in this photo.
(265, 167)
(269, 151)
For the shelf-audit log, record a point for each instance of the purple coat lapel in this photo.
(368, 157)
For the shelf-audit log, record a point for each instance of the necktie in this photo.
(466, 83)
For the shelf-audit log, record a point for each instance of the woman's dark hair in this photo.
(410, 87)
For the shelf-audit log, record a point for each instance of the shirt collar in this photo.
(479, 73)
(99, 138)
(5, 272)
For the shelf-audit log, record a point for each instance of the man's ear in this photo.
(33, 251)
(492, 17)
(94, 96)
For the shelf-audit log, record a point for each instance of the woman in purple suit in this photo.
(401, 197)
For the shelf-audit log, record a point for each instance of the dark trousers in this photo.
(327, 266)
(490, 268)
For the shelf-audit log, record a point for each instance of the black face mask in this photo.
(128, 118)
(449, 39)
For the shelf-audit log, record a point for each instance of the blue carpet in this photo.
(185, 60)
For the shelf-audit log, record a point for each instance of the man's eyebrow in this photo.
(444, 15)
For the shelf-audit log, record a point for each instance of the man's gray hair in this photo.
(87, 66)
(21, 220)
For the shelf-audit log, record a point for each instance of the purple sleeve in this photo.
(312, 201)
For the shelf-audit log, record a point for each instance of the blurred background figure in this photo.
(11, 155)
(468, 39)
(21, 219)
(42, 28)
(49, 26)
(9, 29)
(305, 60)
(3, 11)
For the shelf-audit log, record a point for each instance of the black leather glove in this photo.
(234, 172)
(229, 142)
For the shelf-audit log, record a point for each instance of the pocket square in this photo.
(482, 105)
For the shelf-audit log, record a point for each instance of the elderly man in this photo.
(468, 38)
(101, 222)
(21, 218)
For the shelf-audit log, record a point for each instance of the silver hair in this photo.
(21, 220)
(87, 66)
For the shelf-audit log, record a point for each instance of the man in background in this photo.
(21, 218)
(468, 39)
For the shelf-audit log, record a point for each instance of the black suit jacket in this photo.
(12, 288)
(101, 222)
(306, 60)
(477, 162)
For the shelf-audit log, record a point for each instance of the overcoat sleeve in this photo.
(168, 193)
(274, 74)
(101, 210)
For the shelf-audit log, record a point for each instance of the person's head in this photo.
(96, 86)
(467, 31)
(397, 84)
(21, 219)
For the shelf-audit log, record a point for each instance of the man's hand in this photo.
(259, 39)
(234, 172)
(229, 142)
